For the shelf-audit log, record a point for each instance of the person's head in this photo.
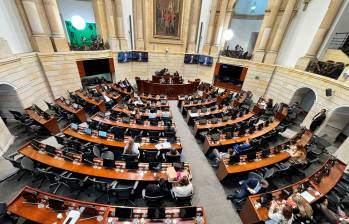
(173, 151)
(303, 206)
(230, 151)
(184, 181)
(323, 111)
(287, 212)
(130, 146)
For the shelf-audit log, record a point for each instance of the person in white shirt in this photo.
(152, 114)
(280, 214)
(165, 114)
(131, 148)
(182, 189)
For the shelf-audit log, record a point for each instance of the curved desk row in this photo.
(201, 127)
(209, 143)
(170, 90)
(50, 124)
(121, 90)
(225, 168)
(100, 104)
(129, 112)
(96, 170)
(78, 113)
(105, 213)
(111, 142)
(146, 126)
(250, 214)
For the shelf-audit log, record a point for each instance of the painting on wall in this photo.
(167, 18)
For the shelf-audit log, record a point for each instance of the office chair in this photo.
(184, 201)
(15, 159)
(52, 177)
(129, 157)
(150, 156)
(74, 183)
(134, 132)
(103, 186)
(125, 195)
(96, 151)
(119, 132)
(172, 158)
(107, 155)
(28, 167)
(92, 124)
(103, 127)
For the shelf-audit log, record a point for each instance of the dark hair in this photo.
(287, 212)
(184, 181)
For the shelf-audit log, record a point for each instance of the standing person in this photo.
(317, 120)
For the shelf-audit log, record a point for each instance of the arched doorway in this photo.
(306, 98)
(337, 127)
(8, 100)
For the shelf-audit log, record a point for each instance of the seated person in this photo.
(183, 188)
(161, 188)
(217, 156)
(165, 113)
(279, 214)
(152, 114)
(302, 208)
(331, 216)
(249, 187)
(298, 154)
(131, 148)
(172, 156)
(169, 128)
(239, 148)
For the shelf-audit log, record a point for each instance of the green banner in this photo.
(83, 37)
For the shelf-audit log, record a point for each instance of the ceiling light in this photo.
(78, 22)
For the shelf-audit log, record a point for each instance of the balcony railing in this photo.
(236, 54)
(329, 69)
(95, 44)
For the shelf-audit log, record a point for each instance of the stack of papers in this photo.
(164, 145)
(307, 196)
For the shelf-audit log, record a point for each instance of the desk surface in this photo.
(120, 173)
(112, 142)
(121, 90)
(48, 216)
(128, 112)
(250, 214)
(119, 123)
(100, 104)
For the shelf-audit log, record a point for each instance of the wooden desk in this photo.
(191, 116)
(50, 124)
(132, 124)
(201, 127)
(186, 106)
(226, 169)
(47, 216)
(170, 90)
(79, 113)
(175, 79)
(121, 90)
(208, 144)
(120, 173)
(249, 214)
(111, 95)
(114, 143)
(129, 112)
(99, 104)
(147, 97)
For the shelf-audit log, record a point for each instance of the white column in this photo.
(209, 33)
(120, 25)
(109, 13)
(194, 22)
(219, 27)
(138, 20)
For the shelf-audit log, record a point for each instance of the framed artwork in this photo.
(167, 19)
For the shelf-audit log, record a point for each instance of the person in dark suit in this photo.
(317, 120)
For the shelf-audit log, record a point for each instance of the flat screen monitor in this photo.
(56, 204)
(102, 134)
(125, 213)
(50, 149)
(31, 197)
(265, 152)
(205, 60)
(125, 56)
(89, 211)
(156, 213)
(191, 59)
(154, 166)
(188, 212)
(74, 126)
(132, 165)
(234, 159)
(109, 163)
(87, 131)
(251, 156)
(139, 56)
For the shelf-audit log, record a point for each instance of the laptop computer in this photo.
(234, 159)
(188, 213)
(156, 213)
(124, 213)
(87, 131)
(74, 126)
(132, 165)
(109, 163)
(56, 204)
(102, 134)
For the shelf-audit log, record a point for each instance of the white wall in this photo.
(126, 12)
(69, 8)
(242, 29)
(12, 28)
(204, 18)
(301, 32)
